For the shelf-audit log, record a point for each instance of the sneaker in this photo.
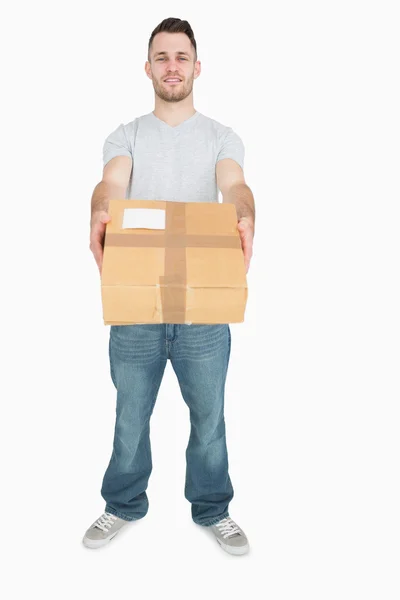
(230, 537)
(103, 530)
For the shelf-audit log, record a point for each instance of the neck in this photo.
(174, 113)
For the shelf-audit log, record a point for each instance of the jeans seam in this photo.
(120, 515)
(112, 372)
(214, 520)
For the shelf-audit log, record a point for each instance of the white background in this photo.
(312, 393)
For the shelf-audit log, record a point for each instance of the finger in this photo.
(95, 245)
(99, 227)
(249, 244)
(99, 259)
(97, 252)
(246, 244)
(98, 233)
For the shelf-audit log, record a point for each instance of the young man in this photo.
(176, 154)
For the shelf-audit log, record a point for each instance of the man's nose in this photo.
(172, 65)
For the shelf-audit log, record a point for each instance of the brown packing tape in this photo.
(166, 240)
(175, 240)
(173, 282)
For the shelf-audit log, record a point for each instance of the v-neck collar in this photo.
(175, 127)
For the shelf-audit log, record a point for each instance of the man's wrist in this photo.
(248, 220)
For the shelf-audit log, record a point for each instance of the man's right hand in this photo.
(97, 232)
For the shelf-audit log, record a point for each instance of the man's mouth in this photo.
(172, 80)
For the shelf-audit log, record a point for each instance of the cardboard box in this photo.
(191, 271)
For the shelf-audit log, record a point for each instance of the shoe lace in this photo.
(228, 528)
(105, 521)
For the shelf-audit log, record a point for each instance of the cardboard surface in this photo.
(192, 271)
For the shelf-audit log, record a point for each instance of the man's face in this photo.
(172, 57)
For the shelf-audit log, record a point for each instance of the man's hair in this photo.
(172, 25)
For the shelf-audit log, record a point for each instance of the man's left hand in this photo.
(246, 230)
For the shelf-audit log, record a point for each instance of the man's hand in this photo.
(246, 230)
(97, 233)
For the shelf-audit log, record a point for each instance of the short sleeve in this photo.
(232, 147)
(116, 144)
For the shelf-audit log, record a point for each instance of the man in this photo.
(176, 154)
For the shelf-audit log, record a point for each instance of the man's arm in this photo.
(231, 182)
(115, 180)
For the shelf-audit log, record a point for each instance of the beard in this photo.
(174, 93)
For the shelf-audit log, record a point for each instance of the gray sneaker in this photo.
(103, 530)
(230, 537)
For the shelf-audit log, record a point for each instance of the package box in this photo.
(175, 262)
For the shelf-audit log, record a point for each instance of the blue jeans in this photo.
(199, 355)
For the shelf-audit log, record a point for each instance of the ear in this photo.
(197, 69)
(147, 68)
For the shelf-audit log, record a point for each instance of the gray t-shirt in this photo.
(174, 163)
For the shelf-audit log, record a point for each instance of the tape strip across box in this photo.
(190, 272)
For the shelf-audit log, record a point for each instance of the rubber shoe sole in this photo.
(236, 550)
(93, 544)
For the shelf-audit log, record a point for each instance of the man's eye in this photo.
(181, 57)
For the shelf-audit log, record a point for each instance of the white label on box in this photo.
(143, 218)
